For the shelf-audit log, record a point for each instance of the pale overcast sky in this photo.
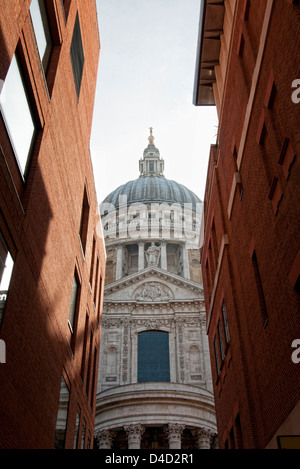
(146, 79)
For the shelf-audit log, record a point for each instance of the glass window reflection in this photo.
(15, 109)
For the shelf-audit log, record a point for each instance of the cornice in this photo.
(159, 274)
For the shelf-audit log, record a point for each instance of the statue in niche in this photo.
(153, 255)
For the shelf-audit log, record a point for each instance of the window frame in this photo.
(141, 363)
(4, 293)
(225, 323)
(22, 162)
(63, 386)
(72, 325)
(84, 223)
(217, 358)
(45, 60)
(221, 341)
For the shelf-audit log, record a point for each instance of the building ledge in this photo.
(154, 404)
(208, 50)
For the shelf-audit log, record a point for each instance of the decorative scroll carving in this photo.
(153, 291)
(153, 323)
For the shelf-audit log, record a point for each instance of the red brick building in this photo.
(248, 66)
(51, 252)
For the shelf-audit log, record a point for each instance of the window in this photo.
(92, 263)
(111, 361)
(238, 432)
(83, 435)
(62, 416)
(42, 31)
(153, 357)
(84, 221)
(260, 292)
(76, 431)
(88, 380)
(221, 340)
(66, 7)
(94, 378)
(74, 310)
(77, 55)
(85, 339)
(6, 268)
(73, 303)
(225, 322)
(96, 283)
(99, 300)
(17, 114)
(217, 355)
(195, 359)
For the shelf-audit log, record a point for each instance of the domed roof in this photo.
(152, 189)
(151, 186)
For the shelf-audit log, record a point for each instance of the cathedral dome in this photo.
(152, 189)
(152, 186)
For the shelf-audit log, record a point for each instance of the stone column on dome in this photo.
(119, 262)
(203, 437)
(134, 435)
(163, 255)
(104, 439)
(174, 433)
(185, 261)
(141, 261)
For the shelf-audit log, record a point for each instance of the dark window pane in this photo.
(73, 303)
(153, 357)
(224, 313)
(77, 55)
(62, 416)
(217, 355)
(84, 222)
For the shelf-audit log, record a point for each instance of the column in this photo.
(119, 261)
(141, 263)
(185, 261)
(104, 439)
(174, 432)
(163, 255)
(203, 438)
(134, 435)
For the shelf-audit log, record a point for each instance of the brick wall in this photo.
(40, 215)
(252, 197)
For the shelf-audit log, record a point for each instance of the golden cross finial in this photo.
(151, 138)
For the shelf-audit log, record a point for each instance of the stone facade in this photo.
(152, 284)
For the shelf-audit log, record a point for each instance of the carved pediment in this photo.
(152, 291)
(152, 285)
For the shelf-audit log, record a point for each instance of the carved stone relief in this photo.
(152, 291)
